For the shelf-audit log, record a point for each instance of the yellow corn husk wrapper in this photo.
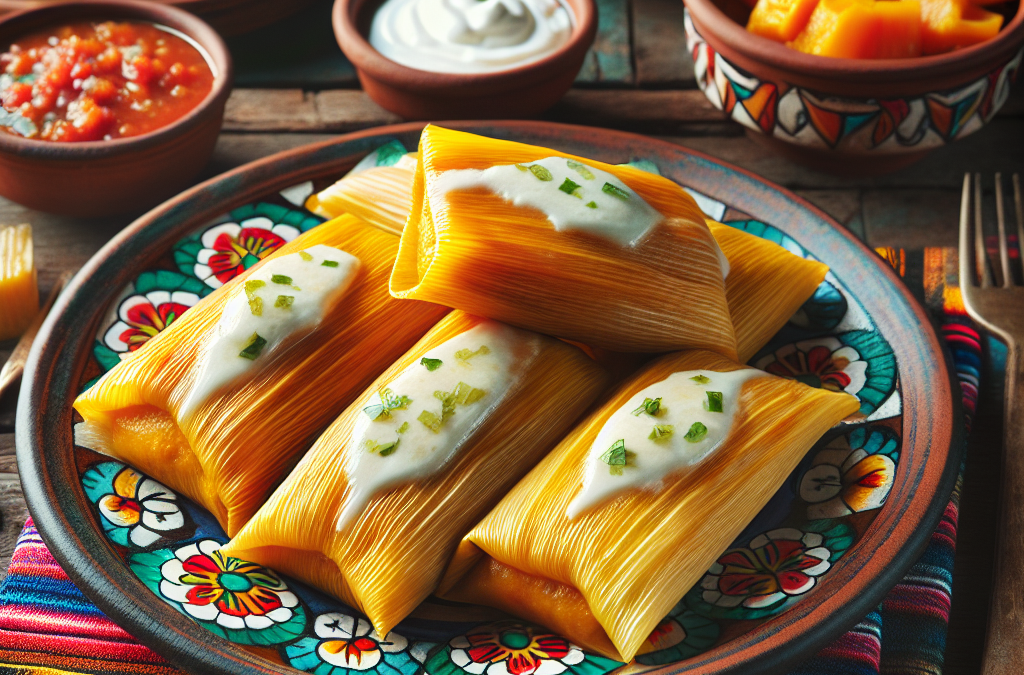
(391, 556)
(605, 579)
(766, 286)
(242, 441)
(19, 289)
(475, 251)
(381, 195)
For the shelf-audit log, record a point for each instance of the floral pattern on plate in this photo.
(512, 648)
(135, 511)
(854, 472)
(238, 600)
(770, 572)
(860, 363)
(233, 244)
(344, 645)
(681, 635)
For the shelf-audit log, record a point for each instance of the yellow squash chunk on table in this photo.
(863, 29)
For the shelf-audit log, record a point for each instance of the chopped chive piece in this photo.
(570, 188)
(430, 421)
(615, 457)
(714, 401)
(616, 192)
(284, 301)
(591, 205)
(253, 285)
(447, 403)
(661, 432)
(540, 172)
(522, 167)
(388, 402)
(382, 449)
(256, 305)
(253, 347)
(465, 394)
(696, 433)
(651, 406)
(701, 379)
(581, 169)
(305, 256)
(431, 364)
(467, 354)
(281, 279)
(405, 427)
(329, 263)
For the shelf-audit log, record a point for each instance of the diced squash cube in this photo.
(780, 20)
(19, 292)
(953, 24)
(863, 29)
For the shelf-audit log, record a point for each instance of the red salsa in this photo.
(92, 82)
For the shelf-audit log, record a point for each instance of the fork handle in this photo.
(1004, 646)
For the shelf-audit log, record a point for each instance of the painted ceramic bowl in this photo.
(845, 526)
(228, 17)
(123, 175)
(848, 114)
(522, 92)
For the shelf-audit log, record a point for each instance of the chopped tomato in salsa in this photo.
(91, 82)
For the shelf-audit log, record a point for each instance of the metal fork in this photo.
(1000, 309)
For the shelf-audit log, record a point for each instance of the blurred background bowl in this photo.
(848, 116)
(520, 92)
(122, 175)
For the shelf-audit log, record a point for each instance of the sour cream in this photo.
(688, 431)
(469, 36)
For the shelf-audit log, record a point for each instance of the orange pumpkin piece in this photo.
(952, 24)
(780, 20)
(863, 29)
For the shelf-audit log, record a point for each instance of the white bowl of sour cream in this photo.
(465, 59)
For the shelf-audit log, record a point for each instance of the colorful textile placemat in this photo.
(48, 627)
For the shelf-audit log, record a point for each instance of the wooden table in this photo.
(637, 78)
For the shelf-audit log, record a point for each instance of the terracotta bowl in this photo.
(848, 115)
(229, 17)
(126, 174)
(520, 92)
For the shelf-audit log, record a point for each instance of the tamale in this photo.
(379, 195)
(19, 289)
(605, 577)
(766, 286)
(227, 450)
(610, 256)
(352, 519)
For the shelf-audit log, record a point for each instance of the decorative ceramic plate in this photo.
(840, 532)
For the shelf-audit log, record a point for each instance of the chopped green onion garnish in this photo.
(465, 394)
(305, 256)
(570, 188)
(467, 354)
(281, 279)
(591, 205)
(431, 364)
(256, 305)
(430, 421)
(581, 169)
(714, 401)
(382, 449)
(661, 432)
(329, 263)
(651, 406)
(284, 301)
(615, 457)
(540, 172)
(522, 167)
(253, 285)
(253, 347)
(616, 192)
(388, 402)
(696, 433)
(405, 427)
(701, 379)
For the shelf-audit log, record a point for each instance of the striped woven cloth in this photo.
(47, 627)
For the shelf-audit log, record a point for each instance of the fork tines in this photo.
(984, 274)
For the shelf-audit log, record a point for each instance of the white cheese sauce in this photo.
(592, 200)
(477, 368)
(684, 406)
(469, 36)
(281, 301)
